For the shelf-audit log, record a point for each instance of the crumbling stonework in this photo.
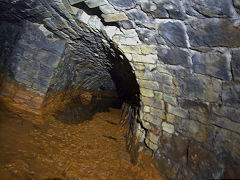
(185, 56)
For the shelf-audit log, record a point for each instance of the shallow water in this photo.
(93, 149)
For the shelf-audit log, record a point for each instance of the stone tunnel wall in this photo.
(34, 55)
(186, 58)
(29, 55)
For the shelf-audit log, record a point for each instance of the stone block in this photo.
(150, 144)
(129, 57)
(236, 64)
(95, 22)
(95, 3)
(145, 58)
(73, 2)
(114, 17)
(158, 112)
(152, 137)
(107, 9)
(170, 118)
(146, 124)
(148, 84)
(148, 49)
(45, 72)
(229, 112)
(173, 33)
(227, 141)
(24, 79)
(236, 3)
(123, 4)
(138, 16)
(127, 24)
(231, 94)
(212, 8)
(130, 33)
(147, 6)
(192, 129)
(74, 10)
(159, 95)
(213, 64)
(145, 75)
(204, 162)
(130, 49)
(164, 79)
(147, 36)
(46, 32)
(167, 165)
(174, 56)
(83, 17)
(147, 101)
(199, 116)
(110, 31)
(152, 119)
(170, 99)
(213, 33)
(201, 87)
(140, 133)
(48, 59)
(174, 146)
(226, 124)
(168, 69)
(122, 40)
(169, 9)
(146, 109)
(146, 92)
(169, 128)
(159, 104)
(177, 111)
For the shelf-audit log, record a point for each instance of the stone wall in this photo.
(30, 54)
(185, 55)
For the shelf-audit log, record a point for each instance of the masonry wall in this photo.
(185, 55)
(30, 53)
(29, 56)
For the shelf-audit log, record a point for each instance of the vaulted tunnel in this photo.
(81, 81)
(101, 74)
(47, 64)
(66, 76)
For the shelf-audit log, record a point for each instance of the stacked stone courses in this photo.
(186, 58)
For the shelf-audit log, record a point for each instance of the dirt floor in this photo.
(93, 149)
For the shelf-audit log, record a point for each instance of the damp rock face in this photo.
(181, 56)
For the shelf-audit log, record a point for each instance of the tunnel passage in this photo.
(93, 77)
(185, 55)
(69, 79)
(40, 60)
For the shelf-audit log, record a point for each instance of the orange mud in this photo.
(53, 149)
